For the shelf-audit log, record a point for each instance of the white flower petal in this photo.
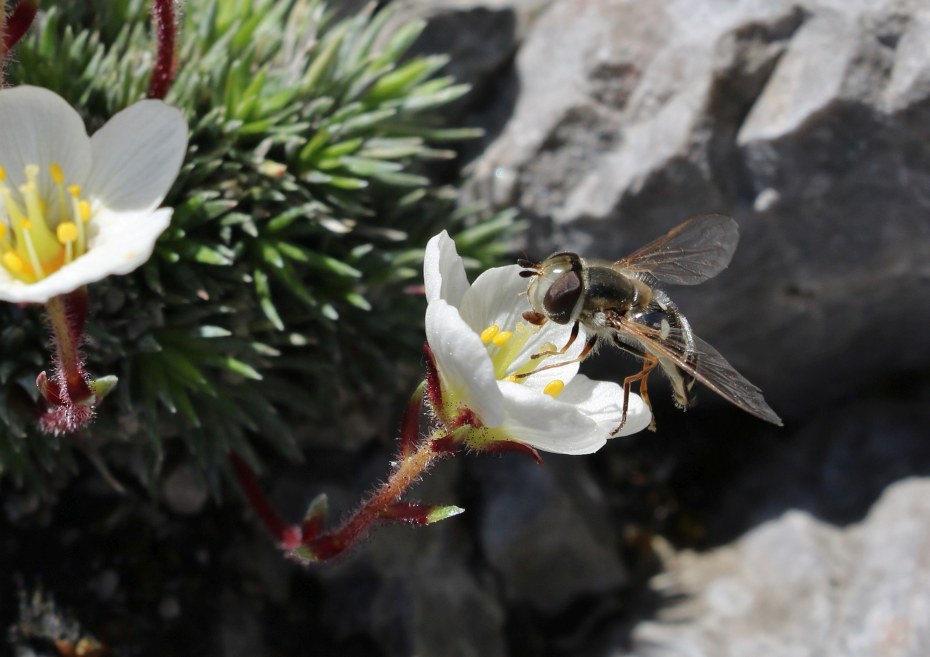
(547, 423)
(137, 156)
(463, 362)
(126, 240)
(602, 401)
(443, 271)
(39, 127)
(123, 242)
(496, 297)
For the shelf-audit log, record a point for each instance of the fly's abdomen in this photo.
(674, 331)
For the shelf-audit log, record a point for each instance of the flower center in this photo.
(511, 360)
(38, 237)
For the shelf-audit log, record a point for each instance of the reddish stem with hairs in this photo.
(166, 33)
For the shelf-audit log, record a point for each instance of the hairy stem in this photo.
(286, 535)
(66, 315)
(166, 34)
(377, 507)
(312, 546)
(3, 47)
(16, 24)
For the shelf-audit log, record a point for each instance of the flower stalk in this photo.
(3, 48)
(308, 543)
(382, 506)
(17, 23)
(166, 34)
(70, 392)
(286, 535)
(67, 314)
(13, 27)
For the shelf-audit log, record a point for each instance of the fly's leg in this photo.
(589, 346)
(650, 362)
(571, 340)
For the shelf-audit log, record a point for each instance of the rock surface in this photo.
(805, 120)
(798, 586)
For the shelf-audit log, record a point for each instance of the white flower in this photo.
(75, 209)
(480, 341)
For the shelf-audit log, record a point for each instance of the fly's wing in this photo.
(688, 254)
(704, 363)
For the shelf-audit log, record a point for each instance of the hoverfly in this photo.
(620, 303)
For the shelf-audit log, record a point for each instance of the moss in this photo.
(307, 195)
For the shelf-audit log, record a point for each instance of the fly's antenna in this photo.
(529, 268)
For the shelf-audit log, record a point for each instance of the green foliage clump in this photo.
(287, 280)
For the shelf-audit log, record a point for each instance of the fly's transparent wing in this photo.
(704, 363)
(688, 254)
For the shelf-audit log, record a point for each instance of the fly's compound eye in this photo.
(562, 297)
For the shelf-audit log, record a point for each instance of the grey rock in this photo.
(547, 546)
(480, 37)
(835, 466)
(798, 586)
(806, 120)
(416, 591)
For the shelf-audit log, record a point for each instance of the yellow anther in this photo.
(74, 190)
(84, 207)
(513, 378)
(13, 262)
(66, 232)
(488, 334)
(32, 180)
(500, 339)
(554, 388)
(2, 174)
(25, 224)
(2, 231)
(58, 176)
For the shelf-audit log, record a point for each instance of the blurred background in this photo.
(606, 122)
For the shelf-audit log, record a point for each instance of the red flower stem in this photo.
(378, 506)
(410, 424)
(166, 33)
(66, 314)
(18, 23)
(12, 29)
(433, 381)
(286, 535)
(3, 47)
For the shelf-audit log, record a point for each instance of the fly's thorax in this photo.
(558, 288)
(608, 288)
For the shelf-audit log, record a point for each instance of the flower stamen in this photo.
(501, 338)
(44, 236)
(13, 263)
(26, 238)
(554, 388)
(488, 334)
(57, 175)
(67, 234)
